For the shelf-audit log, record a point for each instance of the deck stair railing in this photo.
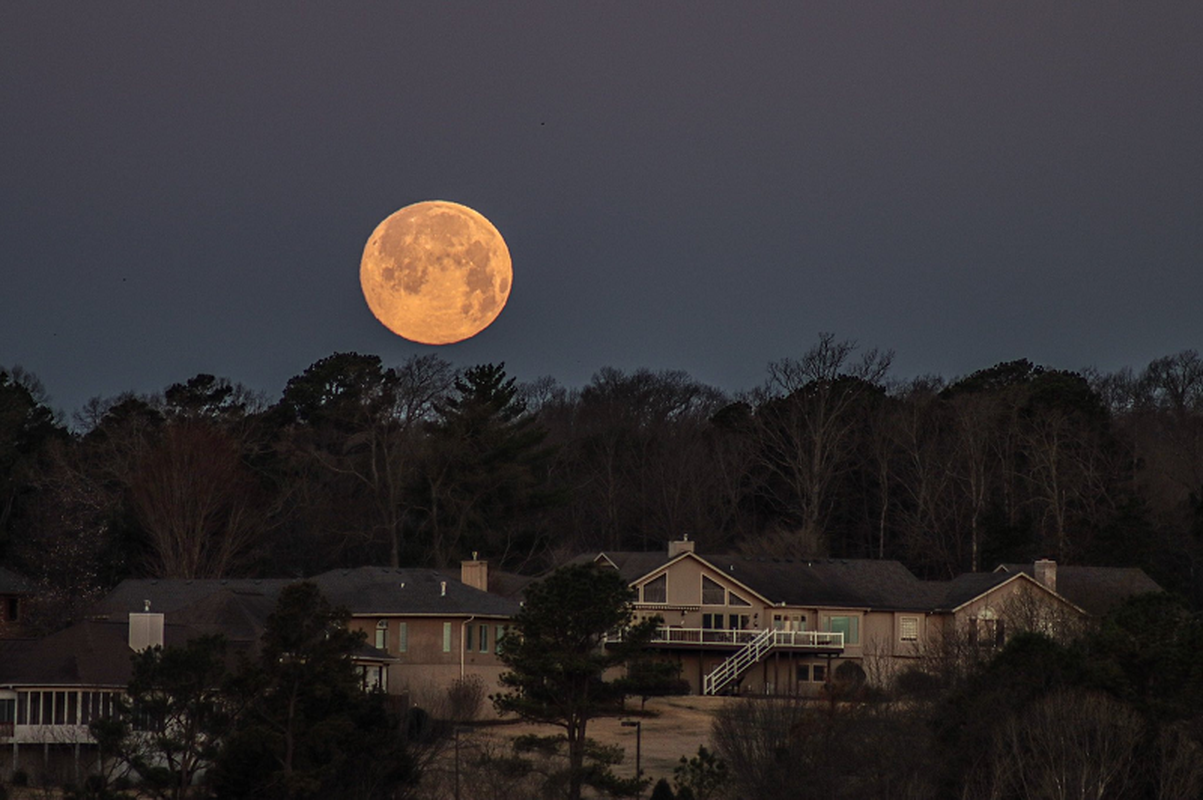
(730, 670)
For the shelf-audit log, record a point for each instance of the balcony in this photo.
(698, 638)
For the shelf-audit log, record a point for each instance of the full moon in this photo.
(436, 272)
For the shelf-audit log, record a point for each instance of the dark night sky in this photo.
(187, 187)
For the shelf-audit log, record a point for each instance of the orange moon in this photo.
(436, 272)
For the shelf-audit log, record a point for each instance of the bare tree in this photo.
(1178, 770)
(199, 504)
(1072, 745)
(808, 414)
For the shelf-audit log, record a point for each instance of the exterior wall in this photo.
(425, 668)
(893, 641)
(777, 673)
(49, 764)
(1021, 604)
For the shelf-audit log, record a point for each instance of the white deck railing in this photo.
(727, 672)
(824, 640)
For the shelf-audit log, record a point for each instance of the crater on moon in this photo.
(436, 272)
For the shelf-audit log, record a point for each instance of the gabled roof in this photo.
(1096, 589)
(12, 583)
(631, 565)
(846, 583)
(877, 584)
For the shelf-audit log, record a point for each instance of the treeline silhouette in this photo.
(359, 462)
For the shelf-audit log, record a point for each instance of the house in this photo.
(756, 625)
(423, 632)
(15, 594)
(52, 688)
(432, 628)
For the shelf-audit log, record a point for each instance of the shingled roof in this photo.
(362, 591)
(424, 592)
(837, 582)
(842, 582)
(1097, 590)
(91, 653)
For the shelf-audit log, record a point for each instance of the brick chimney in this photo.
(475, 573)
(145, 630)
(677, 548)
(1046, 573)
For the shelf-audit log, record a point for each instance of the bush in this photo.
(464, 699)
(917, 684)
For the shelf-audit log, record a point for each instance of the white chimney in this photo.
(145, 631)
(1046, 573)
(677, 548)
(442, 588)
(475, 574)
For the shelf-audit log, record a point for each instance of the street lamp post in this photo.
(637, 724)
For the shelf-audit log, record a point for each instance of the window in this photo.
(8, 711)
(446, 637)
(847, 625)
(713, 593)
(498, 632)
(468, 638)
(484, 638)
(908, 629)
(819, 673)
(402, 637)
(735, 600)
(656, 591)
(986, 630)
(382, 635)
(712, 621)
(778, 622)
(803, 673)
(11, 609)
(737, 622)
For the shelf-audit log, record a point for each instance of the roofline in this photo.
(690, 554)
(1020, 576)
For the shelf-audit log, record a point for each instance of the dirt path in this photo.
(673, 727)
